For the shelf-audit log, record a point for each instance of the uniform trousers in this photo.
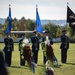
(35, 55)
(8, 56)
(22, 60)
(63, 55)
(44, 59)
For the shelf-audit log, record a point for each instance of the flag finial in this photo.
(67, 3)
(9, 5)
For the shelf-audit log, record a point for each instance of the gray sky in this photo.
(48, 9)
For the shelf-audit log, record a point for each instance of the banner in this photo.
(9, 22)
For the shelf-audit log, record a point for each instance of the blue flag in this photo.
(10, 22)
(38, 22)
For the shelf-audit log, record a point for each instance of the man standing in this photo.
(8, 49)
(44, 48)
(64, 46)
(35, 46)
(22, 60)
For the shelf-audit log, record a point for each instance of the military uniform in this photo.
(22, 60)
(8, 49)
(64, 47)
(44, 47)
(35, 47)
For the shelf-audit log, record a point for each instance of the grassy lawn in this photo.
(63, 69)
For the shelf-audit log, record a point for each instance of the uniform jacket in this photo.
(64, 42)
(44, 38)
(8, 42)
(35, 43)
(20, 42)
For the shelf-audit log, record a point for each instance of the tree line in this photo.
(29, 25)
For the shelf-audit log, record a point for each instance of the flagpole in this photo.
(36, 6)
(66, 16)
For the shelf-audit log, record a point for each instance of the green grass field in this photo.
(63, 69)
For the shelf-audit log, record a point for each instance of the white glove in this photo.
(25, 42)
(47, 42)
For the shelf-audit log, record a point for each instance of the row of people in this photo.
(9, 47)
(35, 46)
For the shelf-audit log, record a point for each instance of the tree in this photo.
(52, 28)
(30, 26)
(59, 32)
(22, 24)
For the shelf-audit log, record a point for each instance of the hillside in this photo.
(57, 22)
(2, 20)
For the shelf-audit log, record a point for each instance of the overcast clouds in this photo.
(48, 9)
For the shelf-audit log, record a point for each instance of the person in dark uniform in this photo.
(9, 47)
(45, 34)
(35, 46)
(64, 46)
(3, 69)
(22, 60)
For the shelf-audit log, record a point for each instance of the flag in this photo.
(9, 22)
(70, 15)
(71, 18)
(38, 22)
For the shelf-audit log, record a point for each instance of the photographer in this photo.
(3, 68)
